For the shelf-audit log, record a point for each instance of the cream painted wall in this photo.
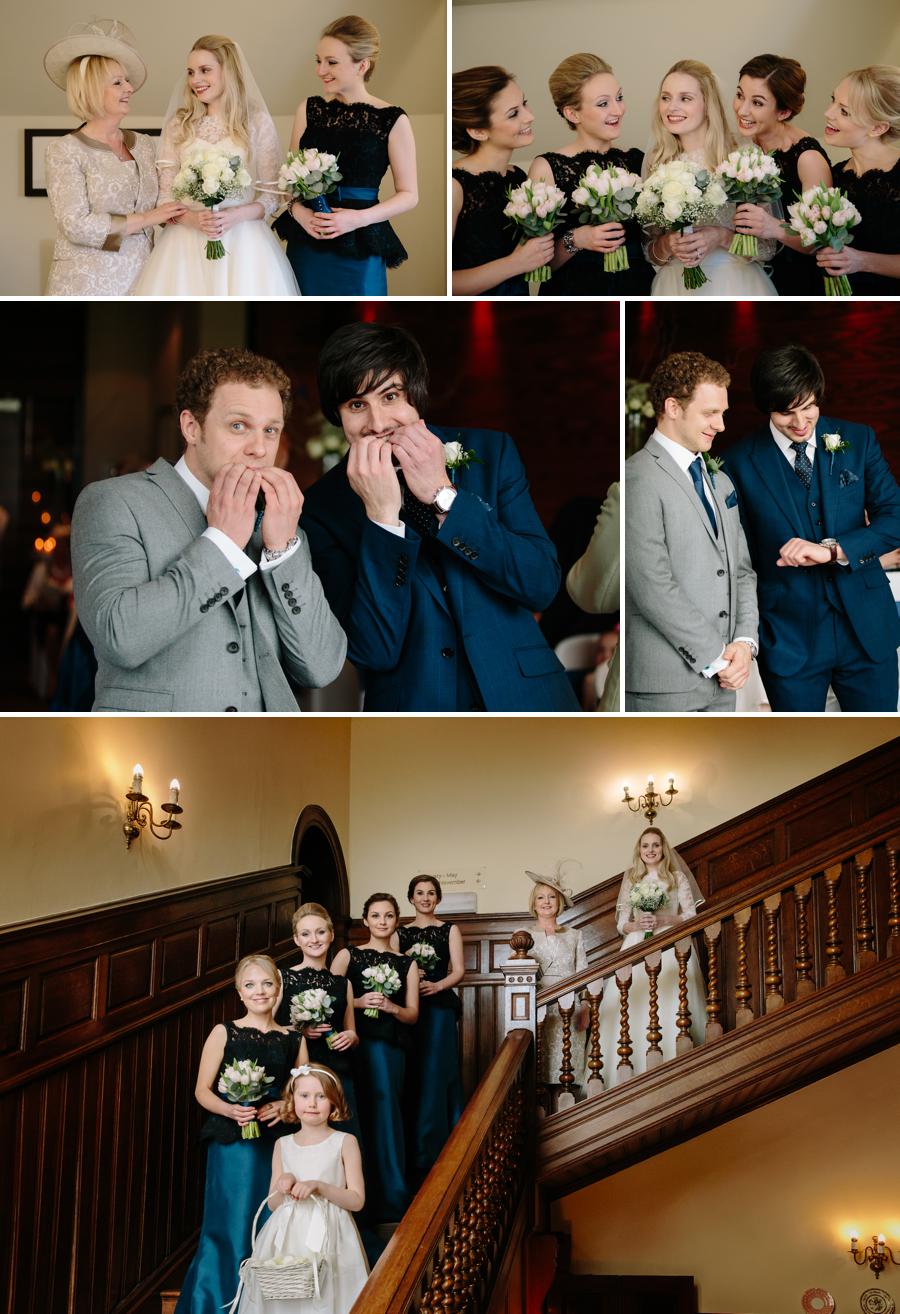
(280, 46)
(762, 1208)
(244, 784)
(641, 39)
(505, 794)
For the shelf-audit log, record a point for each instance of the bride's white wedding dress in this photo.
(727, 275)
(254, 263)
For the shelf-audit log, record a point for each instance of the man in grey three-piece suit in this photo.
(193, 582)
(690, 590)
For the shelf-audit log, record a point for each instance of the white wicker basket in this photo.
(282, 1277)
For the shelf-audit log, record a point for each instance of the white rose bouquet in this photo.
(309, 175)
(210, 176)
(242, 1082)
(677, 196)
(424, 954)
(311, 1008)
(381, 978)
(750, 177)
(536, 208)
(823, 216)
(606, 196)
(647, 896)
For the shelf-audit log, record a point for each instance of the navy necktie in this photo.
(802, 464)
(695, 470)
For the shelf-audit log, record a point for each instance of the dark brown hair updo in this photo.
(419, 880)
(474, 90)
(380, 898)
(786, 80)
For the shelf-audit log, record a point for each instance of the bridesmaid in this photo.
(385, 1040)
(864, 118)
(314, 934)
(101, 179)
(491, 119)
(769, 95)
(347, 250)
(587, 95)
(434, 1091)
(238, 1170)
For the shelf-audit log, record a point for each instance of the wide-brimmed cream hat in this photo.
(555, 882)
(100, 36)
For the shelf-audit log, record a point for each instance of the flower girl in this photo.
(317, 1183)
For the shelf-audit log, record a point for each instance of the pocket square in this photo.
(731, 499)
(847, 477)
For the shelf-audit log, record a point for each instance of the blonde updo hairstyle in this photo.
(361, 38)
(263, 960)
(312, 910)
(568, 79)
(875, 98)
(719, 137)
(235, 101)
(86, 82)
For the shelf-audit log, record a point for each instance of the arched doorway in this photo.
(323, 878)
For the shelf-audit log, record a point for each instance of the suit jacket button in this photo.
(224, 591)
(296, 610)
(204, 606)
(289, 599)
(474, 556)
(446, 652)
(720, 572)
(454, 542)
(230, 709)
(285, 588)
(232, 647)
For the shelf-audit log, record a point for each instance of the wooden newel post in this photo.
(519, 985)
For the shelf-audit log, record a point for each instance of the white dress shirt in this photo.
(244, 565)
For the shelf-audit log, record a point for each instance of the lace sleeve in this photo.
(686, 906)
(623, 905)
(266, 160)
(166, 162)
(68, 195)
(581, 961)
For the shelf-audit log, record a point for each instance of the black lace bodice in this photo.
(584, 274)
(795, 273)
(276, 1051)
(313, 978)
(483, 233)
(876, 195)
(385, 1026)
(358, 134)
(439, 939)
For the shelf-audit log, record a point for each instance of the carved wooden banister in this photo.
(452, 1238)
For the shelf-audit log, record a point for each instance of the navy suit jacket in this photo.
(406, 635)
(854, 482)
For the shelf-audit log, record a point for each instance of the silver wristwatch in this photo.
(443, 500)
(832, 545)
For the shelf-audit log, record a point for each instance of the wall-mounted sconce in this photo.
(877, 1255)
(139, 812)
(650, 801)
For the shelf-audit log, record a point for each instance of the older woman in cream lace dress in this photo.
(560, 952)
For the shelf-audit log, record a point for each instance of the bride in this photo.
(656, 863)
(690, 121)
(219, 104)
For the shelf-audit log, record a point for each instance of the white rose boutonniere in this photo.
(457, 458)
(713, 465)
(834, 442)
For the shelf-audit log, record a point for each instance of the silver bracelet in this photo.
(272, 554)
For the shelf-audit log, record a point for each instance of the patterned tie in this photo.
(695, 470)
(418, 515)
(802, 464)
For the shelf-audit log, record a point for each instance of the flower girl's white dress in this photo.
(254, 263)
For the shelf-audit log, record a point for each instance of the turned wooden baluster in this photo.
(595, 1058)
(624, 1068)
(711, 935)
(803, 964)
(865, 931)
(742, 990)
(543, 1090)
(684, 1041)
(834, 968)
(566, 1097)
(774, 986)
(652, 964)
(893, 849)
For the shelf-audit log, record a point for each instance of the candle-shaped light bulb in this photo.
(649, 784)
(671, 782)
(137, 778)
(854, 1242)
(625, 789)
(174, 787)
(881, 1243)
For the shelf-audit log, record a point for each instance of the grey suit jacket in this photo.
(157, 602)
(687, 593)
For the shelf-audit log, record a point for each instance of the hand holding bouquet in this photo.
(424, 954)
(309, 175)
(749, 176)
(676, 197)
(382, 979)
(242, 1082)
(536, 208)
(210, 176)
(606, 196)
(823, 216)
(313, 1008)
(647, 896)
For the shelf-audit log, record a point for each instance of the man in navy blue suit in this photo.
(434, 569)
(819, 507)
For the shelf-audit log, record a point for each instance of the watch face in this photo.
(444, 499)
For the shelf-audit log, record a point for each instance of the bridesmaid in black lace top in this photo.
(588, 97)
(769, 95)
(864, 117)
(347, 249)
(491, 119)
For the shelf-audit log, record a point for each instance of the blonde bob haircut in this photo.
(668, 868)
(235, 102)
(719, 137)
(875, 98)
(567, 81)
(361, 38)
(263, 960)
(331, 1087)
(86, 82)
(532, 899)
(312, 910)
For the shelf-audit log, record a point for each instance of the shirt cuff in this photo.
(398, 530)
(244, 566)
(116, 233)
(713, 668)
(265, 564)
